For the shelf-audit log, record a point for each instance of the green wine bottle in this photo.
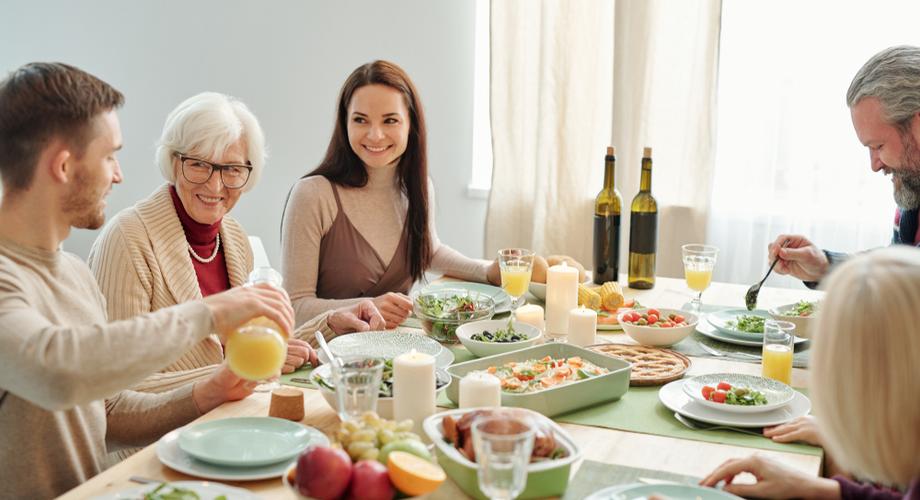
(607, 225)
(643, 230)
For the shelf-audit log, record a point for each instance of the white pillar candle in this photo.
(561, 297)
(582, 326)
(413, 387)
(531, 314)
(480, 389)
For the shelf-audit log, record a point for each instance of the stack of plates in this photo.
(387, 345)
(237, 449)
(784, 403)
(717, 326)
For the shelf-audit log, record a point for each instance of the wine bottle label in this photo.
(643, 232)
(606, 248)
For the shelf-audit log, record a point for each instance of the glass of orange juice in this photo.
(256, 353)
(778, 337)
(516, 264)
(698, 263)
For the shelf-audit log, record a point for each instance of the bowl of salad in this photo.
(657, 327)
(802, 314)
(443, 310)
(497, 336)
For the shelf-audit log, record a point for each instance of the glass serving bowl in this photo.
(442, 311)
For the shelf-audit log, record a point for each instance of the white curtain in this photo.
(788, 158)
(569, 78)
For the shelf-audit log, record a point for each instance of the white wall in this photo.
(286, 60)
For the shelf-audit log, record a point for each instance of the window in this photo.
(481, 179)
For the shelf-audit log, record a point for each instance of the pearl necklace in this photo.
(202, 259)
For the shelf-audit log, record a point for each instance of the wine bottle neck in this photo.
(645, 182)
(609, 171)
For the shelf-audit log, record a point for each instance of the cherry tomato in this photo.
(718, 396)
(724, 386)
(678, 318)
(652, 319)
(707, 390)
(654, 311)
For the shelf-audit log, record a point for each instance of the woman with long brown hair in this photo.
(362, 223)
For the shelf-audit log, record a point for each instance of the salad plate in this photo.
(726, 321)
(501, 298)
(706, 329)
(777, 394)
(673, 397)
(675, 491)
(387, 345)
(245, 441)
(204, 489)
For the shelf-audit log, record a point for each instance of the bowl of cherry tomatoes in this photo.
(657, 327)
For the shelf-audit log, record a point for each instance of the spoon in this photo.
(750, 298)
(325, 347)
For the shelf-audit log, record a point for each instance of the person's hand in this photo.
(494, 273)
(223, 385)
(360, 317)
(395, 308)
(804, 429)
(299, 353)
(800, 257)
(774, 480)
(236, 306)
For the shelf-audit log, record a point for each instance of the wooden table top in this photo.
(620, 447)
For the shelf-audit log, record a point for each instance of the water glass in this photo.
(778, 340)
(503, 446)
(357, 385)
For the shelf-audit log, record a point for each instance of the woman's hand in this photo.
(299, 353)
(804, 429)
(360, 317)
(223, 385)
(395, 308)
(774, 480)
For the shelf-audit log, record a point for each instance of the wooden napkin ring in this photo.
(287, 402)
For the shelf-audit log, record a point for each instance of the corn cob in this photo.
(588, 298)
(611, 295)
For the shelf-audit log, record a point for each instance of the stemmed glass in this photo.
(516, 265)
(503, 446)
(698, 263)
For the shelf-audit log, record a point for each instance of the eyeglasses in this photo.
(198, 171)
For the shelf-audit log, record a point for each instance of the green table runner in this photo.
(593, 476)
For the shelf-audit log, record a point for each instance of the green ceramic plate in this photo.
(502, 299)
(555, 400)
(725, 322)
(674, 491)
(245, 441)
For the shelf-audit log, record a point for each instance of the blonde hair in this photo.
(206, 125)
(865, 378)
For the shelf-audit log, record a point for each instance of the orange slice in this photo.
(413, 475)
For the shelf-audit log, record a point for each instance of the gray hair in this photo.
(893, 77)
(206, 125)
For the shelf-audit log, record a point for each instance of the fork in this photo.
(699, 426)
(750, 298)
(721, 354)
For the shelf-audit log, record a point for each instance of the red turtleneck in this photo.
(213, 276)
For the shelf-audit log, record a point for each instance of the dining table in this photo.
(599, 444)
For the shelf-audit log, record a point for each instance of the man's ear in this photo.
(59, 164)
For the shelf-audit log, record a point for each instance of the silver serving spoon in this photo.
(750, 298)
(325, 347)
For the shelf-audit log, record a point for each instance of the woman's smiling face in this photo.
(378, 125)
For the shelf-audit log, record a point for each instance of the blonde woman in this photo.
(864, 383)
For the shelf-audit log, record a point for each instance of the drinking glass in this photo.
(257, 353)
(357, 384)
(503, 446)
(778, 337)
(268, 275)
(516, 265)
(698, 263)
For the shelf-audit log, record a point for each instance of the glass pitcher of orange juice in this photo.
(778, 339)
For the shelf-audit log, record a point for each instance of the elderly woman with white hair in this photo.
(180, 244)
(864, 384)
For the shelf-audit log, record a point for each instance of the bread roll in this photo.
(538, 275)
(555, 260)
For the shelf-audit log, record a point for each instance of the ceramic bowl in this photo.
(657, 336)
(803, 324)
(481, 349)
(384, 405)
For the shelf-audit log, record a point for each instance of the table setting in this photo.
(537, 369)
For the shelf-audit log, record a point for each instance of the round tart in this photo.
(650, 365)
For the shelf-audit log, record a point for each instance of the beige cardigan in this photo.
(142, 264)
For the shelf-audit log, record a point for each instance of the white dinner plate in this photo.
(706, 329)
(204, 489)
(777, 393)
(172, 456)
(672, 395)
(674, 491)
(501, 298)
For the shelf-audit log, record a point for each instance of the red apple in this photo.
(323, 472)
(370, 481)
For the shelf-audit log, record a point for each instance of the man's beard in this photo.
(84, 203)
(907, 178)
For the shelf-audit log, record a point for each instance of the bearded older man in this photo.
(884, 102)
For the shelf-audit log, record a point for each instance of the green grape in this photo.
(385, 436)
(364, 435)
(358, 448)
(405, 425)
(399, 436)
(370, 454)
